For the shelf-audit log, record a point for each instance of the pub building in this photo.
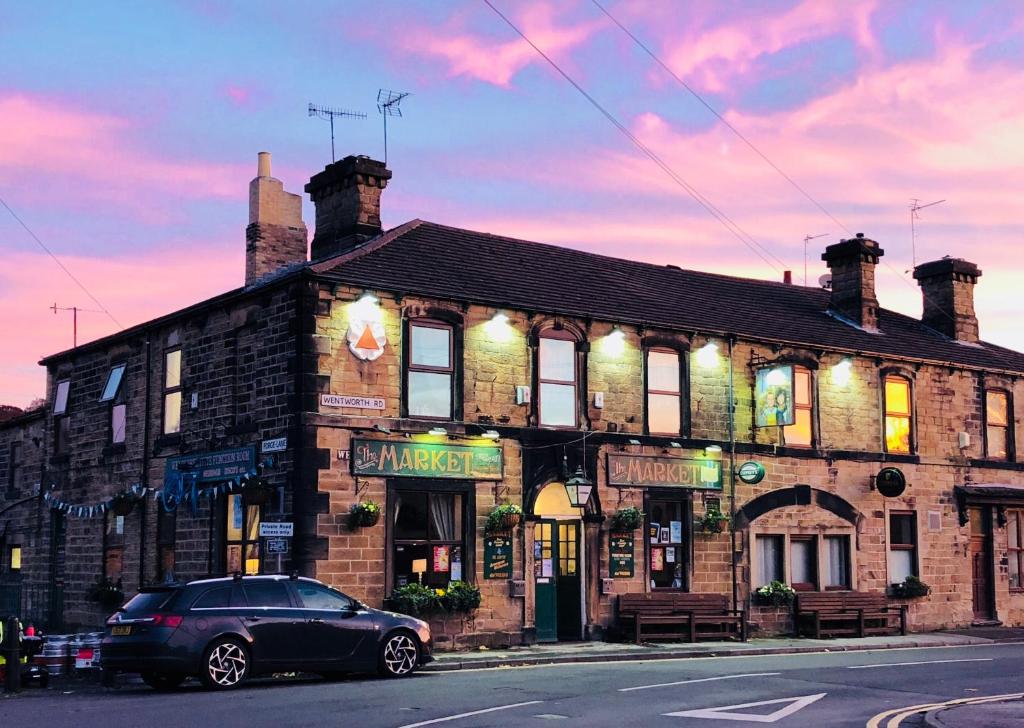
(425, 375)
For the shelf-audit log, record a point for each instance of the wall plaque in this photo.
(497, 557)
(620, 561)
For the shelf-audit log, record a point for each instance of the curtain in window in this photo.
(442, 515)
(837, 561)
(769, 549)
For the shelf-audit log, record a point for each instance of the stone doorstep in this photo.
(583, 653)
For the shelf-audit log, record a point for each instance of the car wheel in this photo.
(399, 655)
(225, 665)
(162, 680)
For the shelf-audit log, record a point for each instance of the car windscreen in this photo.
(151, 601)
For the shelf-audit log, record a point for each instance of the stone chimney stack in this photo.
(948, 289)
(347, 198)
(852, 263)
(276, 237)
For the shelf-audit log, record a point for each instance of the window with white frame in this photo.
(558, 378)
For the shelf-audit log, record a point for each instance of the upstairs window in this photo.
(997, 424)
(172, 391)
(13, 468)
(897, 414)
(430, 375)
(110, 389)
(118, 420)
(60, 398)
(664, 392)
(557, 377)
(801, 432)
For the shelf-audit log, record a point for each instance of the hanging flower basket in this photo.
(123, 504)
(257, 493)
(713, 521)
(363, 515)
(627, 519)
(504, 518)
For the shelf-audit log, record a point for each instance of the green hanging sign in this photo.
(620, 557)
(497, 557)
(426, 460)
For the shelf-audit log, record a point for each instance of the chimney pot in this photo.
(276, 237)
(347, 198)
(263, 164)
(947, 286)
(787, 277)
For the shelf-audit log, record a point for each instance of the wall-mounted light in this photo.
(498, 328)
(382, 428)
(437, 431)
(676, 444)
(633, 441)
(368, 299)
(491, 435)
(707, 355)
(578, 489)
(713, 449)
(615, 341)
(842, 372)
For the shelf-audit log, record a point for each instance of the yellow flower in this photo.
(439, 592)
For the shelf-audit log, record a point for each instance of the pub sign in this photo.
(658, 471)
(390, 458)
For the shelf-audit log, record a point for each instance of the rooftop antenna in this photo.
(807, 239)
(913, 230)
(329, 113)
(74, 317)
(389, 104)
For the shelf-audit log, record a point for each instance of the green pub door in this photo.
(557, 580)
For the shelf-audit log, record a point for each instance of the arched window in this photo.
(898, 414)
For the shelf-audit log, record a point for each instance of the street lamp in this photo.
(578, 488)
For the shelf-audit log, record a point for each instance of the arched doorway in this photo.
(559, 571)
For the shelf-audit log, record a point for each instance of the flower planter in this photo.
(508, 521)
(367, 518)
(503, 519)
(363, 515)
(627, 519)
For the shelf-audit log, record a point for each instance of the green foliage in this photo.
(910, 588)
(415, 599)
(629, 518)
(460, 597)
(776, 594)
(365, 513)
(503, 518)
(713, 521)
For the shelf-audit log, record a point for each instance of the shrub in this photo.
(460, 597)
(415, 600)
(629, 518)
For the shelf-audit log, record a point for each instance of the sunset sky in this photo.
(129, 133)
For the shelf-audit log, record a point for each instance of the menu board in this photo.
(621, 554)
(497, 557)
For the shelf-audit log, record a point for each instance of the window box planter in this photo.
(910, 588)
(108, 594)
(775, 594)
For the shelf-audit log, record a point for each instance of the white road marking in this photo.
(924, 662)
(471, 713)
(794, 704)
(697, 680)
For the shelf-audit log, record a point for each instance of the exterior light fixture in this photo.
(676, 444)
(615, 342)
(498, 327)
(491, 435)
(578, 489)
(437, 431)
(713, 449)
(842, 372)
(382, 428)
(368, 299)
(707, 355)
(634, 441)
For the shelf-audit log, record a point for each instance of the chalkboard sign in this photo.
(497, 557)
(621, 554)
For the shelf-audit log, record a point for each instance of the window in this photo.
(118, 415)
(897, 414)
(15, 558)
(429, 536)
(113, 384)
(997, 424)
(431, 370)
(113, 546)
(13, 467)
(218, 598)
(314, 596)
(60, 398)
(668, 568)
(664, 392)
(837, 567)
(770, 556)
(166, 524)
(266, 593)
(62, 435)
(557, 377)
(902, 547)
(803, 562)
(243, 542)
(1015, 548)
(172, 391)
(801, 432)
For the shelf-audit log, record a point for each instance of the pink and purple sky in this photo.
(128, 136)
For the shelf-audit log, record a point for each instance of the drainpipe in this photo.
(732, 476)
(145, 464)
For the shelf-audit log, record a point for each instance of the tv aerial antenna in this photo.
(389, 104)
(914, 207)
(330, 113)
(74, 317)
(807, 239)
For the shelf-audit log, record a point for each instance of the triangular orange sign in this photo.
(367, 340)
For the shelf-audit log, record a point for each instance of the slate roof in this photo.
(434, 260)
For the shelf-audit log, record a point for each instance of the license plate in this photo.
(121, 631)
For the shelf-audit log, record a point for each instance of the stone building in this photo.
(439, 372)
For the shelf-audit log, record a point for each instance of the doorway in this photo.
(981, 564)
(558, 571)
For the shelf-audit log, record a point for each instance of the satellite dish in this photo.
(825, 281)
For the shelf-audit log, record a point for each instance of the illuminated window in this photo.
(172, 391)
(897, 414)
(429, 532)
(664, 392)
(1015, 548)
(430, 374)
(243, 537)
(801, 432)
(557, 376)
(902, 547)
(997, 424)
(15, 558)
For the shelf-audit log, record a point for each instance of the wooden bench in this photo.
(653, 615)
(848, 613)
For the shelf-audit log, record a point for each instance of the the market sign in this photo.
(751, 472)
(498, 557)
(620, 556)
(657, 470)
(426, 460)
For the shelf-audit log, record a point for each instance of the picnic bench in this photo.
(848, 613)
(679, 615)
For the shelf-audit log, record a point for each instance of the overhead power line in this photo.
(61, 265)
(722, 218)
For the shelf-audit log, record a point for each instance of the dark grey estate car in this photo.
(224, 630)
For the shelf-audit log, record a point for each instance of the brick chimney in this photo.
(852, 263)
(276, 236)
(347, 198)
(948, 289)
